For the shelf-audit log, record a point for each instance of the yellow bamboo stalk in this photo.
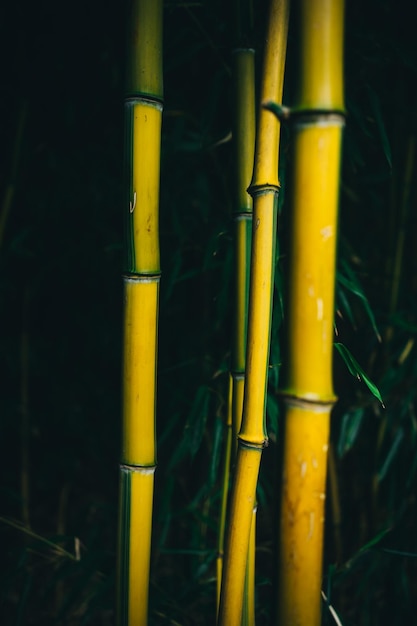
(224, 494)
(244, 144)
(252, 436)
(244, 148)
(308, 393)
(248, 611)
(141, 299)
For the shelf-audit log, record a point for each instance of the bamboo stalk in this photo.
(252, 436)
(317, 121)
(401, 233)
(244, 144)
(224, 494)
(141, 298)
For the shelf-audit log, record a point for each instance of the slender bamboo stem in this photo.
(401, 230)
(252, 436)
(308, 393)
(224, 494)
(244, 145)
(335, 505)
(141, 300)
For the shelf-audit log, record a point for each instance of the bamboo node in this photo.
(262, 189)
(311, 404)
(142, 278)
(253, 445)
(138, 469)
(307, 116)
(146, 99)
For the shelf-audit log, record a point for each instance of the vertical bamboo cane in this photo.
(244, 145)
(252, 436)
(309, 397)
(141, 294)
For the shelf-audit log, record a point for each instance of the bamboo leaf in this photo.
(375, 540)
(351, 423)
(55, 547)
(197, 418)
(345, 305)
(356, 370)
(348, 279)
(391, 454)
(370, 544)
(410, 555)
(217, 450)
(376, 107)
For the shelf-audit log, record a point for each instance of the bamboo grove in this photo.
(316, 121)
(208, 313)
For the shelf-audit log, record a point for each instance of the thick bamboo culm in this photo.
(317, 122)
(252, 436)
(244, 146)
(143, 114)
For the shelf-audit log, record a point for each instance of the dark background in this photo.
(61, 156)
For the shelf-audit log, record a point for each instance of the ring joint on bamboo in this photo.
(138, 469)
(154, 277)
(241, 49)
(317, 118)
(262, 189)
(308, 116)
(253, 445)
(147, 100)
(310, 403)
(243, 215)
